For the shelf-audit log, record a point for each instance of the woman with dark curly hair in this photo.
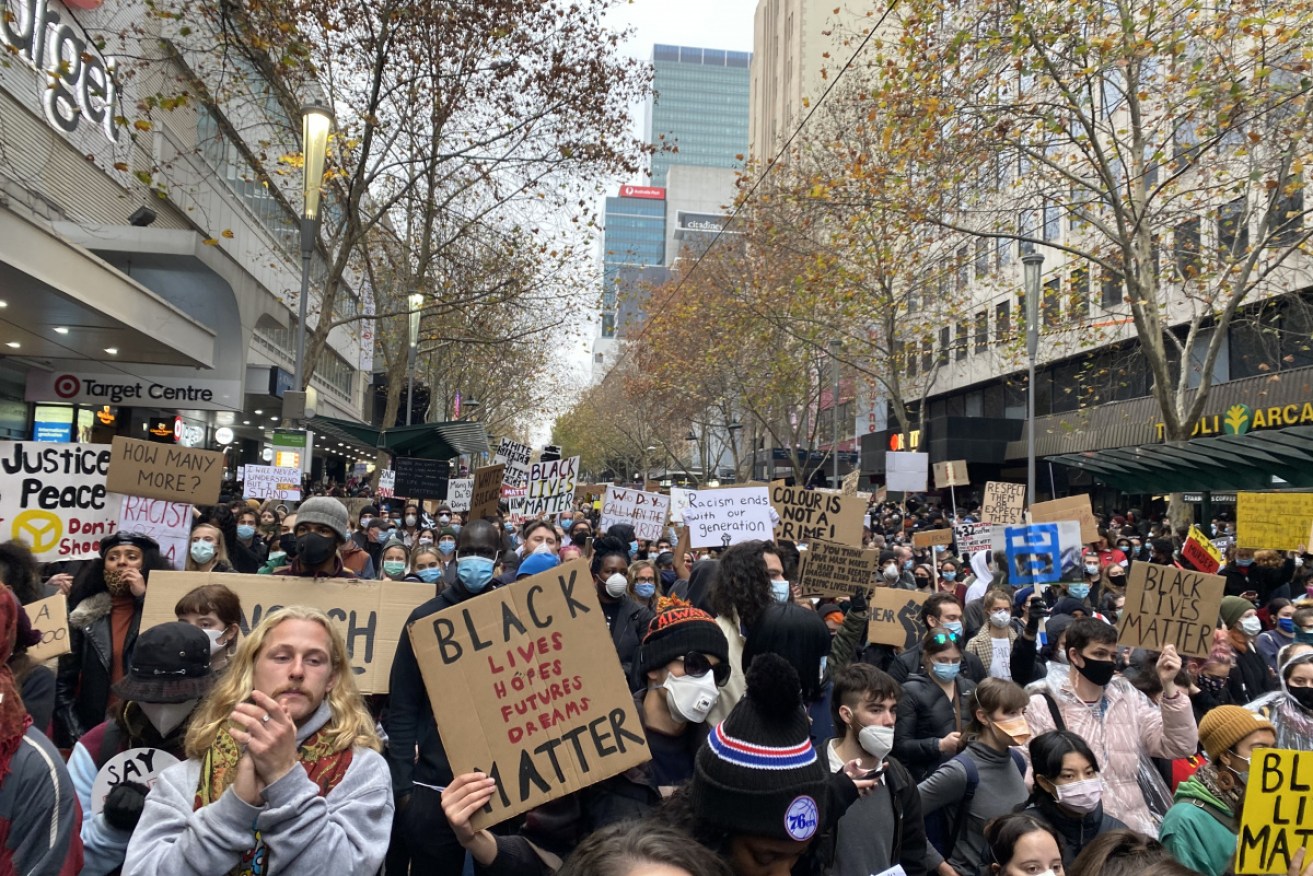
(739, 595)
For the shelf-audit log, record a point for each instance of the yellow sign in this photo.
(1240, 419)
(1277, 521)
(1278, 809)
(41, 529)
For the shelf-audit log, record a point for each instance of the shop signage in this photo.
(651, 193)
(1240, 419)
(83, 387)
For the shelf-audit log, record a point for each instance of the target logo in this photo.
(67, 386)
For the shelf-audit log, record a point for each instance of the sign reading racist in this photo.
(1277, 813)
(1276, 521)
(810, 515)
(551, 487)
(54, 498)
(1170, 606)
(720, 518)
(896, 617)
(169, 523)
(646, 512)
(1003, 503)
(370, 615)
(837, 570)
(49, 618)
(164, 471)
(545, 706)
(387, 484)
(487, 491)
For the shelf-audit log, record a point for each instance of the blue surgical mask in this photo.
(633, 549)
(779, 590)
(948, 576)
(1286, 625)
(455, 527)
(1244, 563)
(446, 547)
(953, 626)
(203, 551)
(428, 576)
(245, 531)
(945, 671)
(474, 572)
(644, 589)
(510, 527)
(907, 565)
(1080, 591)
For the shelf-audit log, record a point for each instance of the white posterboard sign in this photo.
(273, 482)
(727, 516)
(906, 471)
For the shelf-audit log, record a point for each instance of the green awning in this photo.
(423, 440)
(1222, 462)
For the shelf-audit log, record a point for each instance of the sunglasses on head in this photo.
(944, 638)
(697, 665)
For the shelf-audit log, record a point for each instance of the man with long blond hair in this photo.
(283, 774)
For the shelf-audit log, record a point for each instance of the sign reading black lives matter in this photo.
(544, 705)
(1170, 606)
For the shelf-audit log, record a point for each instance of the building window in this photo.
(1111, 287)
(963, 343)
(1080, 293)
(907, 352)
(1002, 323)
(982, 331)
(1052, 221)
(1287, 219)
(962, 265)
(1003, 247)
(927, 354)
(1052, 302)
(982, 257)
(1189, 260)
(1232, 231)
(945, 341)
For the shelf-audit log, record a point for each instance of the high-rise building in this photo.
(634, 235)
(699, 112)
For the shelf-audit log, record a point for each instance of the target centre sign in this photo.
(96, 388)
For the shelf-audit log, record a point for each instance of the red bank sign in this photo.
(650, 192)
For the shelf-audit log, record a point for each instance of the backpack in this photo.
(941, 831)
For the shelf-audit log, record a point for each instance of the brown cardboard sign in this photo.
(1170, 606)
(50, 618)
(837, 570)
(164, 471)
(932, 537)
(896, 617)
(371, 615)
(1003, 504)
(543, 705)
(951, 474)
(487, 491)
(1071, 508)
(809, 515)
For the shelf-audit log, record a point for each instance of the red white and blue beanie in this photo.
(758, 773)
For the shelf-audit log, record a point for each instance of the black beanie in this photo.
(678, 630)
(759, 774)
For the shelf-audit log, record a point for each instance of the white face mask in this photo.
(1082, 797)
(1251, 626)
(166, 717)
(215, 645)
(876, 741)
(616, 585)
(691, 697)
(1000, 618)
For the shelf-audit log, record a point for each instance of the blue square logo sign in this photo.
(1034, 555)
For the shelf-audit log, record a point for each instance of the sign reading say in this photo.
(551, 486)
(646, 512)
(1170, 606)
(837, 570)
(810, 515)
(53, 497)
(140, 765)
(720, 518)
(1278, 810)
(1003, 503)
(545, 707)
(164, 471)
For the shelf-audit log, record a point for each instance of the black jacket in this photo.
(82, 683)
(909, 662)
(1249, 678)
(925, 716)
(627, 631)
(1076, 832)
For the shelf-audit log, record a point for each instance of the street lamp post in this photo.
(1034, 263)
(416, 301)
(316, 122)
(834, 409)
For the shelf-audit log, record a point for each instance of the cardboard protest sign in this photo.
(590, 491)
(1071, 508)
(49, 617)
(1170, 606)
(726, 516)
(545, 708)
(1278, 809)
(678, 502)
(487, 491)
(932, 537)
(164, 471)
(140, 765)
(1199, 552)
(387, 484)
(371, 615)
(851, 481)
(973, 537)
(551, 486)
(53, 497)
(646, 512)
(837, 570)
(896, 617)
(459, 492)
(169, 523)
(810, 515)
(273, 482)
(515, 456)
(1003, 503)
(906, 471)
(951, 474)
(418, 477)
(1277, 521)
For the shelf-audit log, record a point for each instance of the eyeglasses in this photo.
(697, 665)
(945, 638)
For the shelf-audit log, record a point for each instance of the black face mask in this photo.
(313, 549)
(287, 544)
(1303, 696)
(1098, 672)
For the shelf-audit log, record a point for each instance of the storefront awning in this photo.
(1223, 462)
(424, 440)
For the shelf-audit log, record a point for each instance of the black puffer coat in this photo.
(925, 716)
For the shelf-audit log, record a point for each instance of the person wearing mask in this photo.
(1022, 845)
(320, 531)
(206, 552)
(941, 612)
(289, 710)
(378, 532)
(216, 611)
(748, 578)
(410, 526)
(643, 584)
(270, 523)
(1290, 709)
(667, 577)
(445, 545)
(422, 838)
(1067, 794)
(1238, 563)
(1269, 642)
(104, 614)
(1249, 676)
(625, 618)
(1201, 827)
(998, 724)
(935, 708)
(426, 568)
(170, 674)
(396, 561)
(1086, 697)
(580, 532)
(982, 576)
(38, 807)
(800, 636)
(948, 572)
(923, 577)
(993, 644)
(247, 551)
(884, 827)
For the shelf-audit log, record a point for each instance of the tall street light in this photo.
(1034, 263)
(416, 301)
(316, 123)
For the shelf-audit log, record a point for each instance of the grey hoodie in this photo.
(304, 833)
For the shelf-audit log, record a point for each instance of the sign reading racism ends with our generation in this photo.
(545, 706)
(370, 615)
(1170, 606)
(646, 512)
(809, 515)
(1277, 818)
(54, 498)
(726, 516)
